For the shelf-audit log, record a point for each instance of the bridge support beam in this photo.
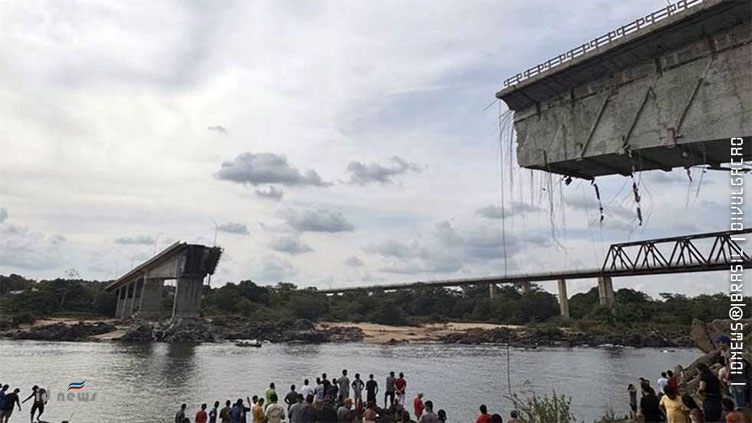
(187, 297)
(525, 287)
(605, 291)
(151, 299)
(120, 303)
(493, 289)
(563, 298)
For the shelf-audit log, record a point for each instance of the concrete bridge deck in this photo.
(667, 90)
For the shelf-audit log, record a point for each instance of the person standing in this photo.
(372, 389)
(258, 411)
(180, 415)
(306, 390)
(418, 406)
(344, 386)
(344, 414)
(357, 386)
(389, 390)
(40, 398)
(224, 414)
(662, 382)
(268, 393)
(429, 416)
(291, 397)
(201, 416)
(649, 405)
(709, 390)
(632, 400)
(672, 406)
(10, 400)
(213, 412)
(275, 413)
(514, 417)
(484, 417)
(400, 388)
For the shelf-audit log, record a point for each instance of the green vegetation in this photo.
(545, 409)
(23, 300)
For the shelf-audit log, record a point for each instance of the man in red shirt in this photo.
(201, 415)
(418, 406)
(484, 416)
(399, 388)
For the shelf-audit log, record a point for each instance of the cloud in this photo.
(274, 269)
(233, 228)
(266, 168)
(22, 248)
(590, 204)
(135, 240)
(392, 248)
(218, 129)
(3, 214)
(495, 212)
(366, 173)
(289, 244)
(270, 193)
(317, 219)
(353, 261)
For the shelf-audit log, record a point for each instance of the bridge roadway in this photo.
(706, 252)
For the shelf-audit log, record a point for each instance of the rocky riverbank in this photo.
(304, 331)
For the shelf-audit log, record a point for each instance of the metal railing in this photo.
(603, 40)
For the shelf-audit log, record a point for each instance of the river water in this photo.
(146, 383)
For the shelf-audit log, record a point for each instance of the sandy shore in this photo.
(382, 334)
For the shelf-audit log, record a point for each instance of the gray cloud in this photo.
(217, 128)
(3, 214)
(135, 240)
(590, 204)
(274, 269)
(353, 261)
(270, 193)
(366, 173)
(266, 168)
(391, 248)
(289, 244)
(22, 248)
(495, 212)
(316, 219)
(233, 228)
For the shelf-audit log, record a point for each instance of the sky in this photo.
(326, 144)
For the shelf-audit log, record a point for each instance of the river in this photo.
(146, 383)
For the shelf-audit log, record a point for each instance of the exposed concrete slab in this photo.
(670, 95)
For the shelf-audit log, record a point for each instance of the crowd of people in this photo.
(340, 400)
(720, 396)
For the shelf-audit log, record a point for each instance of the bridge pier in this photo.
(151, 298)
(563, 298)
(525, 287)
(120, 302)
(605, 291)
(187, 297)
(493, 289)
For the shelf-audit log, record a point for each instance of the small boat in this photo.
(248, 343)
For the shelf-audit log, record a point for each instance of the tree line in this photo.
(23, 300)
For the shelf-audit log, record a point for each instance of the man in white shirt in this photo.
(662, 382)
(306, 389)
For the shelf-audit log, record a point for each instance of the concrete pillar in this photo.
(119, 306)
(525, 287)
(605, 291)
(493, 289)
(563, 298)
(187, 297)
(151, 299)
(131, 299)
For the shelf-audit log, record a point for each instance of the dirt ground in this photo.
(382, 334)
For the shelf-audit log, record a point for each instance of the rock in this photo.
(139, 332)
(185, 331)
(80, 331)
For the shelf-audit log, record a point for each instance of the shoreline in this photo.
(306, 332)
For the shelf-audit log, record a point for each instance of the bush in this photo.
(535, 409)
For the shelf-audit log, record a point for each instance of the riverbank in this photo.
(232, 328)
